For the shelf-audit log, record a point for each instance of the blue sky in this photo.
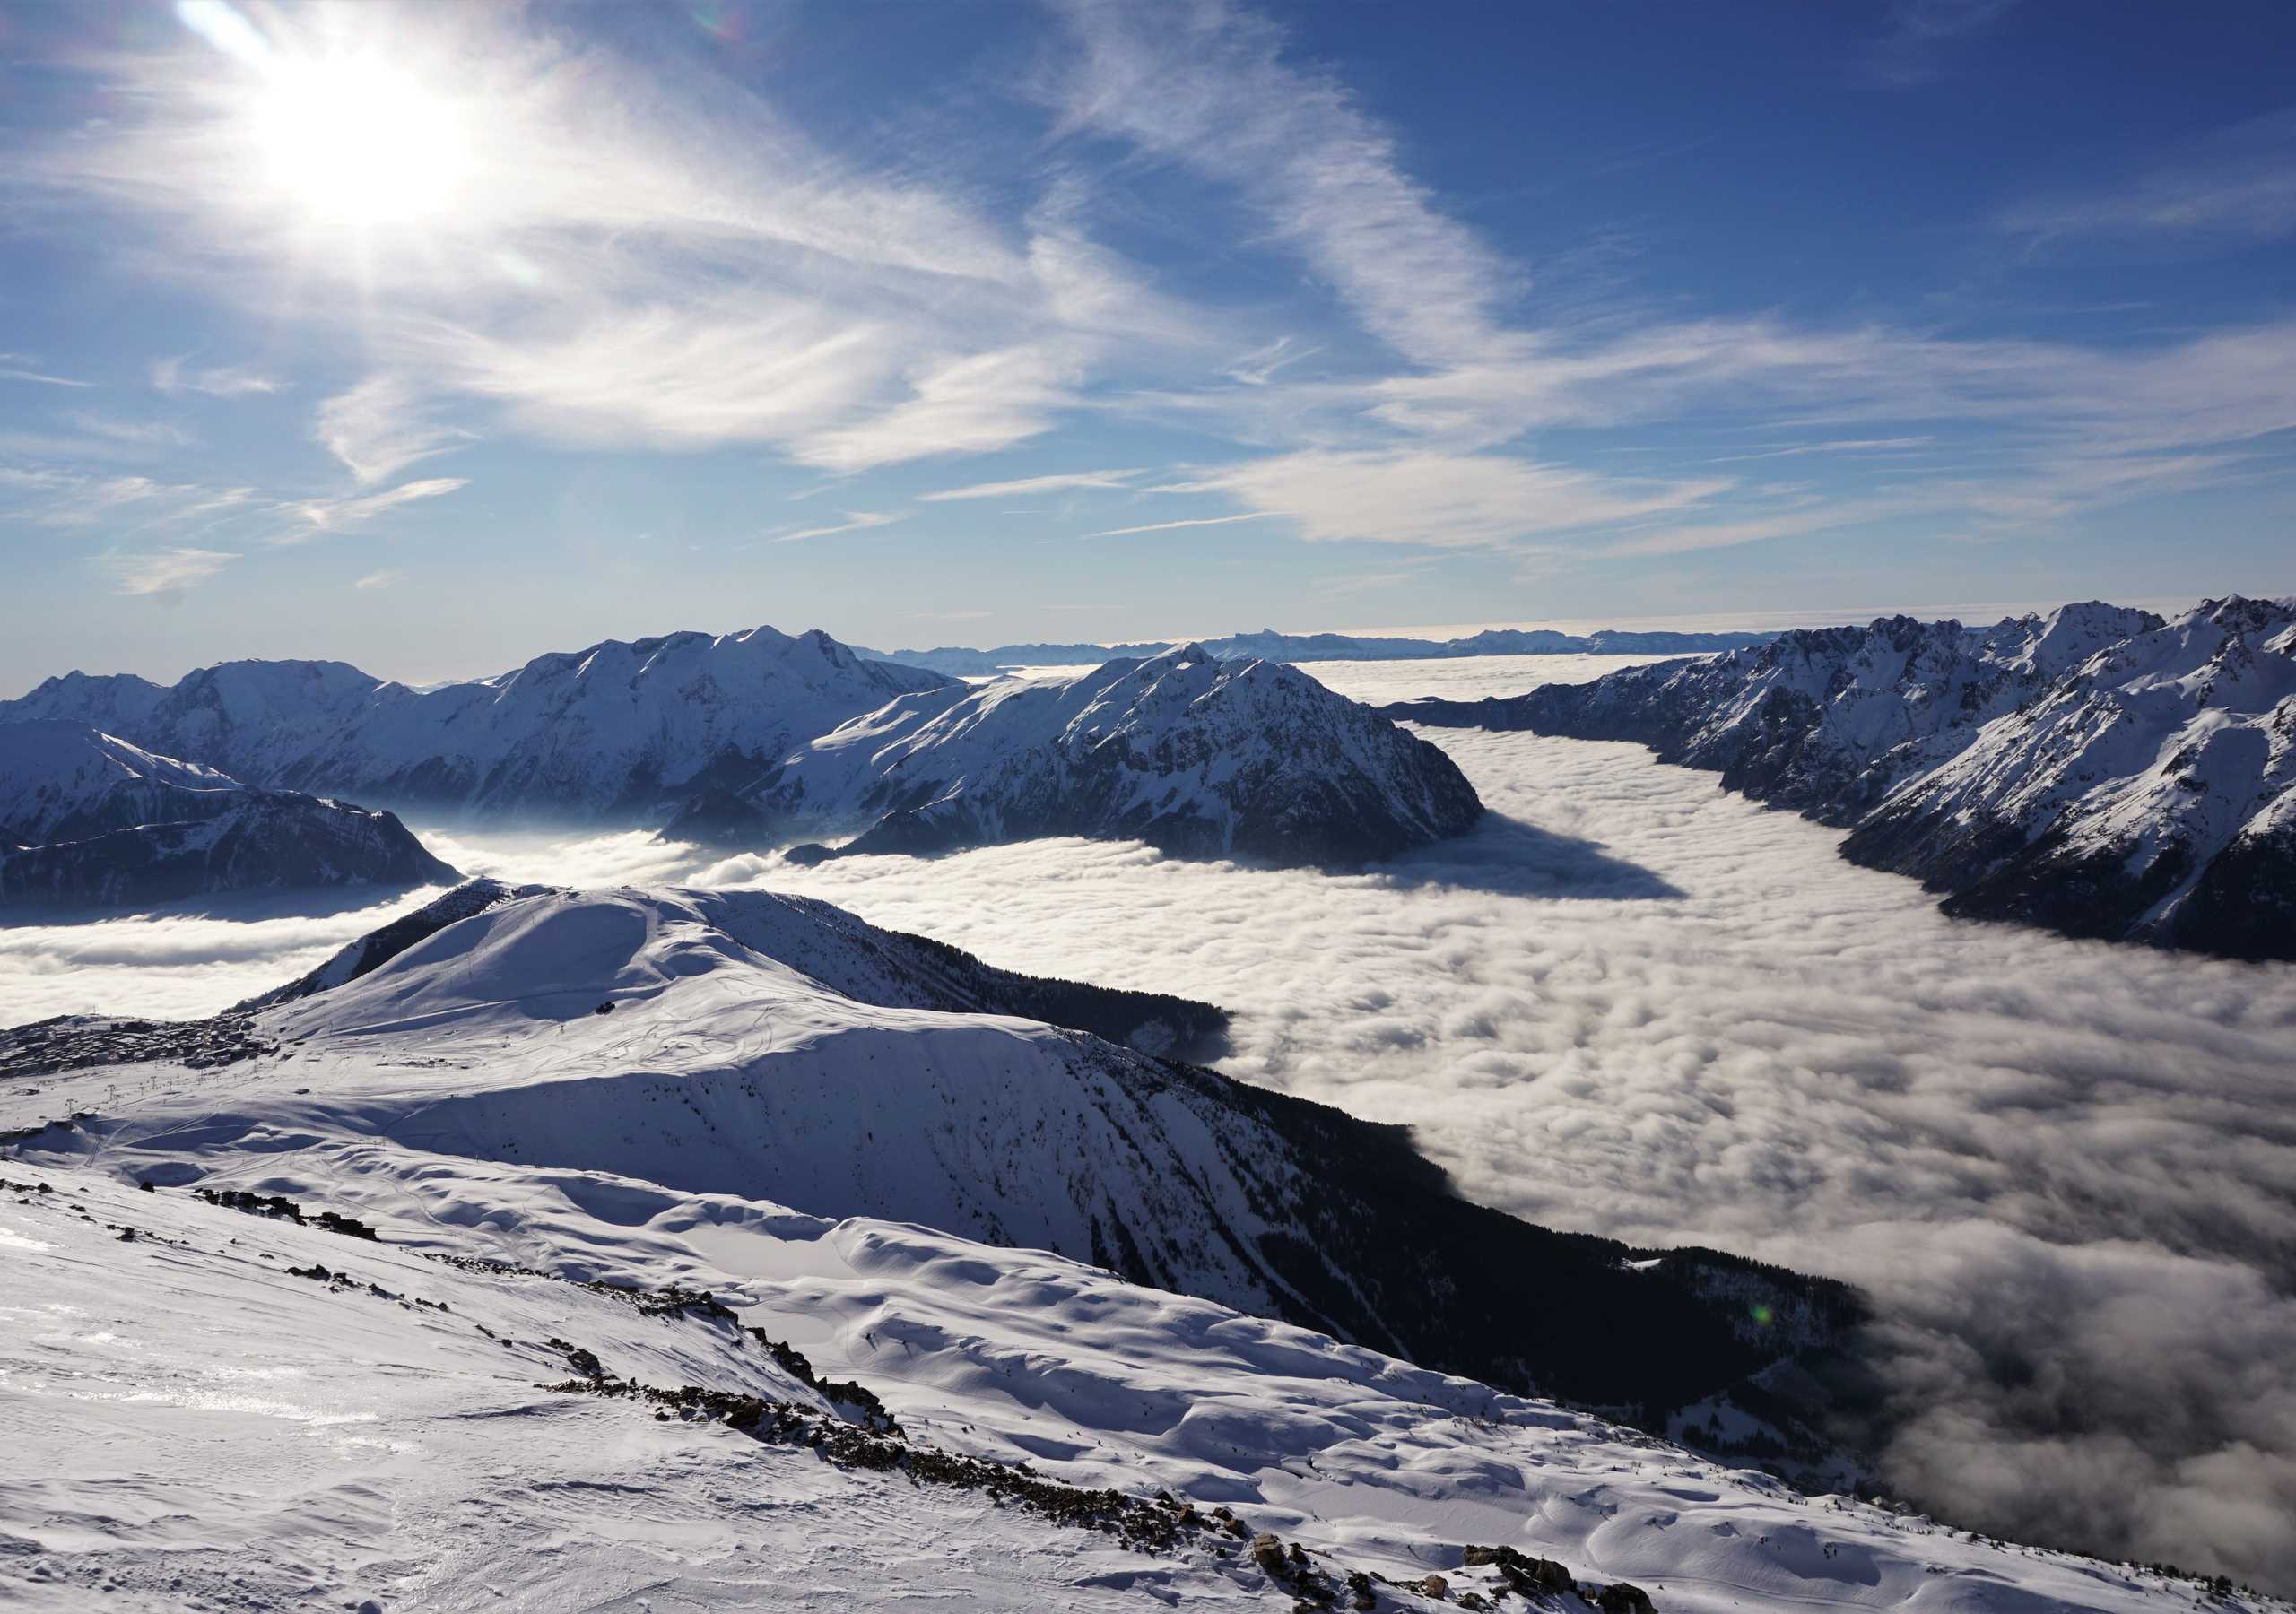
(433, 338)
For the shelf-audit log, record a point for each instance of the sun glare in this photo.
(358, 142)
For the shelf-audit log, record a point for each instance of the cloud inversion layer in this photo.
(1637, 1005)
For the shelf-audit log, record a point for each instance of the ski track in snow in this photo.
(1665, 1013)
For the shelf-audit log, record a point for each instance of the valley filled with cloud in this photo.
(1631, 1003)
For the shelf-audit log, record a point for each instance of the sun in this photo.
(358, 142)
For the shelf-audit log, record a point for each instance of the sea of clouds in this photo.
(1633, 1005)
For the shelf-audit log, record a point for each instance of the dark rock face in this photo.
(266, 841)
(2100, 772)
(1376, 1248)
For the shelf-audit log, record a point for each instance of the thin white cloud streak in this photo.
(1058, 483)
(855, 521)
(2235, 186)
(164, 571)
(1258, 367)
(47, 497)
(318, 515)
(1205, 85)
(174, 377)
(41, 379)
(1920, 35)
(1199, 520)
(1445, 501)
(379, 579)
(132, 434)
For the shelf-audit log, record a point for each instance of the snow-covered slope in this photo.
(347, 1375)
(88, 820)
(64, 781)
(607, 732)
(2097, 770)
(747, 1044)
(2146, 794)
(1822, 720)
(1196, 756)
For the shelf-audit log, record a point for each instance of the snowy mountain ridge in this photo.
(604, 733)
(64, 781)
(88, 820)
(750, 1044)
(2098, 770)
(1193, 755)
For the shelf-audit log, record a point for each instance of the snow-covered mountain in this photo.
(749, 1043)
(64, 781)
(2146, 794)
(88, 820)
(610, 732)
(318, 1315)
(1194, 755)
(2097, 770)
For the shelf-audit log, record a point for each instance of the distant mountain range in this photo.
(1267, 645)
(752, 738)
(620, 732)
(1193, 755)
(88, 820)
(2100, 771)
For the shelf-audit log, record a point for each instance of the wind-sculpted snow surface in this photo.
(1194, 756)
(484, 1386)
(750, 1044)
(2099, 771)
(88, 820)
(607, 733)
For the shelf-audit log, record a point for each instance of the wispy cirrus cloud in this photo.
(2236, 186)
(20, 366)
(380, 427)
(167, 571)
(855, 521)
(613, 262)
(314, 517)
(1063, 481)
(848, 315)
(1195, 521)
(176, 377)
(1443, 449)
(1919, 37)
